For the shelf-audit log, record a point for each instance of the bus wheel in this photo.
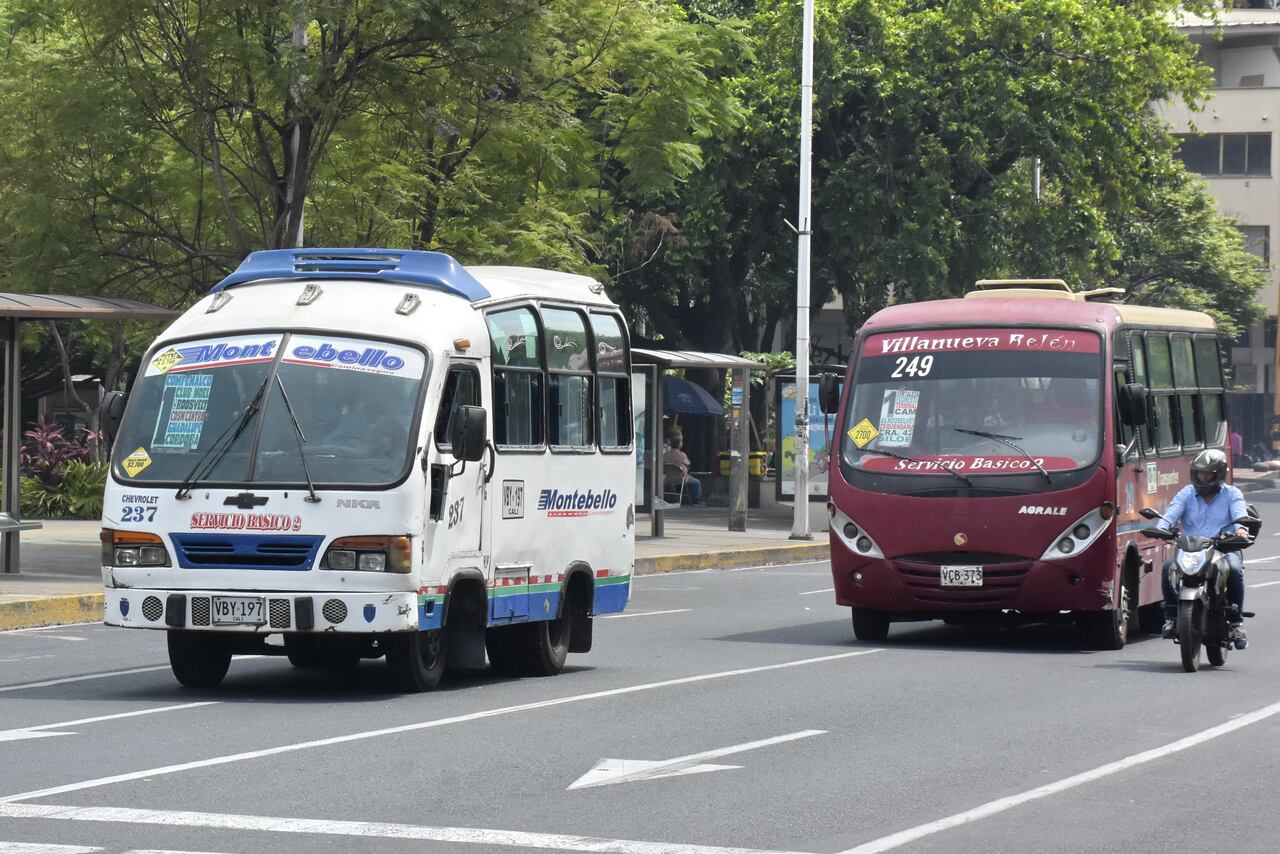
(547, 645)
(503, 643)
(1110, 629)
(870, 624)
(416, 659)
(198, 659)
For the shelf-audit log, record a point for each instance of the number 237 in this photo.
(137, 513)
(916, 366)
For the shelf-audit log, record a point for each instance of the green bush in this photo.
(78, 496)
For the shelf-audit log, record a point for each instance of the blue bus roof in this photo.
(399, 266)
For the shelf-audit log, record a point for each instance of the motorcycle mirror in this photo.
(1148, 513)
(1157, 533)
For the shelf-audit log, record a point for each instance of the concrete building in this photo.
(1231, 143)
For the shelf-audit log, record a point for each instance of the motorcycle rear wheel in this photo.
(1189, 635)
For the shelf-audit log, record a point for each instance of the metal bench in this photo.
(10, 528)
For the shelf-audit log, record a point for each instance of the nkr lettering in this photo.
(360, 503)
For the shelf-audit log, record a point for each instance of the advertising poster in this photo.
(821, 437)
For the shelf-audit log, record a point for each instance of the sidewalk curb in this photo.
(51, 611)
(1256, 484)
(735, 558)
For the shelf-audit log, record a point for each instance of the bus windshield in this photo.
(234, 410)
(974, 400)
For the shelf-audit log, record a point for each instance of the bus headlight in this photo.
(369, 554)
(132, 548)
(853, 535)
(1080, 534)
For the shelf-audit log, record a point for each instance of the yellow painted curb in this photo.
(51, 611)
(734, 558)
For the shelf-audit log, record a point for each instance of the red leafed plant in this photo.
(46, 451)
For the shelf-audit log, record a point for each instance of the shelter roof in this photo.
(66, 306)
(690, 359)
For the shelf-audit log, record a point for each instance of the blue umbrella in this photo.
(681, 397)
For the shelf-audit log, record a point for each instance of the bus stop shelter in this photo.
(649, 366)
(14, 309)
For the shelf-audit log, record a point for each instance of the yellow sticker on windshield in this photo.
(136, 462)
(862, 433)
(166, 361)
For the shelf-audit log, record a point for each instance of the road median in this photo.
(734, 558)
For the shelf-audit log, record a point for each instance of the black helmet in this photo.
(1214, 462)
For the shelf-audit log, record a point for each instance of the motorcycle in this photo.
(1200, 574)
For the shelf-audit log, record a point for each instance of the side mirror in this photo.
(468, 433)
(1133, 404)
(110, 412)
(829, 393)
(1149, 513)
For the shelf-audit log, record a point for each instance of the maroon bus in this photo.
(995, 451)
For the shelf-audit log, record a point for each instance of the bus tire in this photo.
(870, 624)
(546, 645)
(1110, 629)
(198, 659)
(416, 660)
(502, 643)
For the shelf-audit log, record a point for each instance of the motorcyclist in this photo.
(1207, 507)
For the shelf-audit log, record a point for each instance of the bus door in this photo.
(461, 513)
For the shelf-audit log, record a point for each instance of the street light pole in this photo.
(800, 518)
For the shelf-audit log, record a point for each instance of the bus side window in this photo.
(518, 411)
(461, 388)
(570, 420)
(1139, 375)
(1123, 431)
(1160, 365)
(614, 383)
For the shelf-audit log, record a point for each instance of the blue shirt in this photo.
(1205, 518)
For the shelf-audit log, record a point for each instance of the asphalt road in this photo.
(724, 711)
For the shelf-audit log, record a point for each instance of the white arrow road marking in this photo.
(43, 730)
(609, 771)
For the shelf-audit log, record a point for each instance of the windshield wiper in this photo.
(948, 469)
(1010, 441)
(210, 459)
(298, 434)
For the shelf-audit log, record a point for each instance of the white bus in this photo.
(375, 453)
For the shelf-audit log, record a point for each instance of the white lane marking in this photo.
(665, 589)
(106, 675)
(44, 730)
(610, 771)
(439, 722)
(823, 590)
(887, 843)
(42, 636)
(362, 829)
(66, 679)
(42, 848)
(1253, 560)
(23, 658)
(1265, 584)
(644, 613)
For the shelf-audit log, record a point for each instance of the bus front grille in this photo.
(245, 551)
(1001, 579)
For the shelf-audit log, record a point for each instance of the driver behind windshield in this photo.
(1207, 507)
